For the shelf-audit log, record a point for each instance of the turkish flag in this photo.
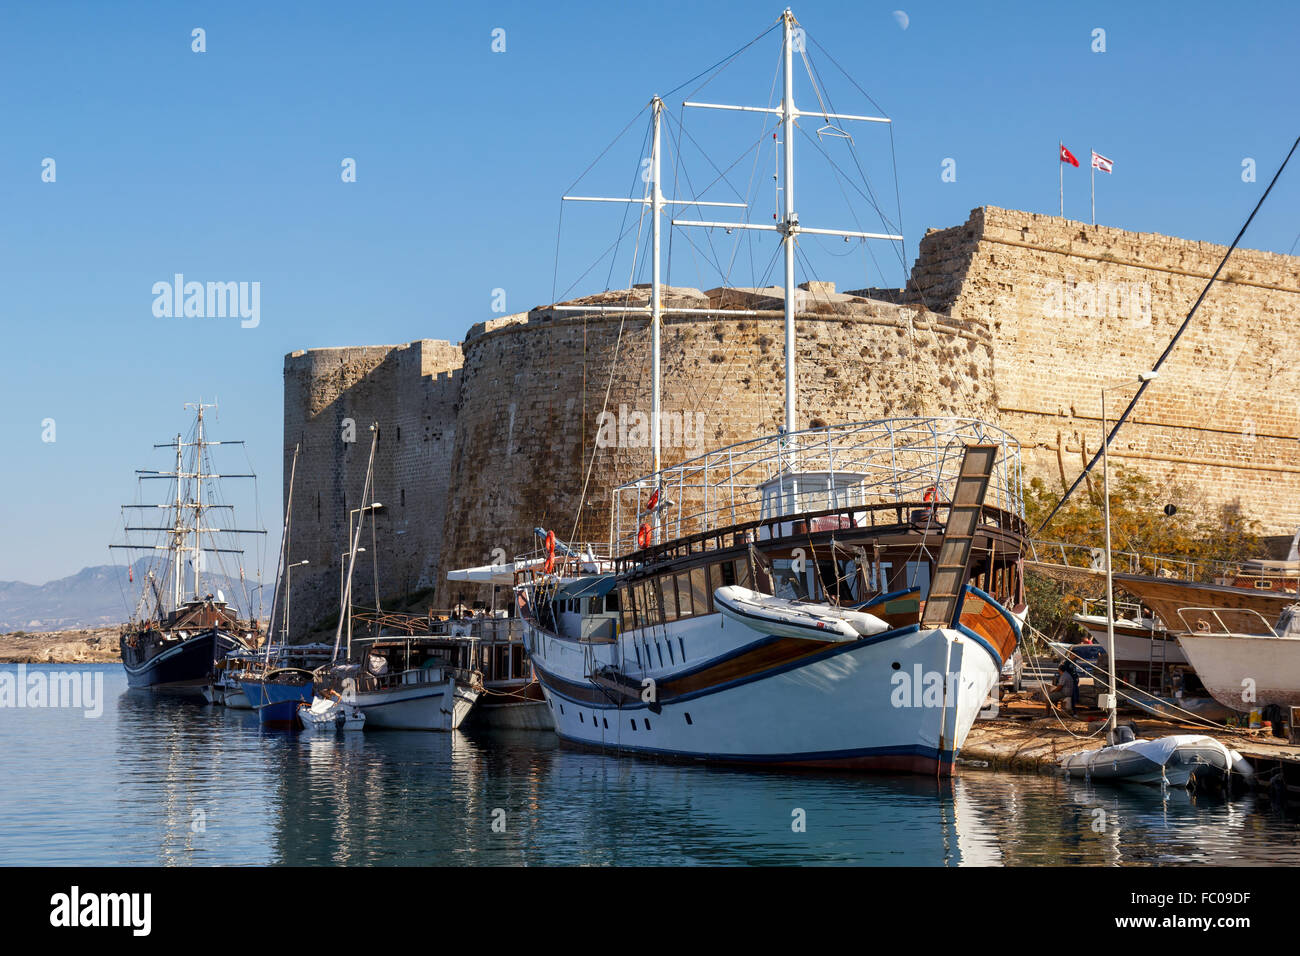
(1068, 157)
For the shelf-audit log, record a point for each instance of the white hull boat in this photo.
(838, 596)
(903, 702)
(1171, 761)
(421, 699)
(236, 699)
(328, 714)
(1246, 671)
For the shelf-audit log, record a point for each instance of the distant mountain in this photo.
(93, 597)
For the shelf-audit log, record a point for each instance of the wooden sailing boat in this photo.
(914, 523)
(173, 639)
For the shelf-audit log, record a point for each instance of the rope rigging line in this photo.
(721, 64)
(627, 208)
(609, 382)
(1092, 670)
(851, 145)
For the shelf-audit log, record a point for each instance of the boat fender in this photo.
(550, 552)
(643, 536)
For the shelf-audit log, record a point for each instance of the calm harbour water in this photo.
(157, 781)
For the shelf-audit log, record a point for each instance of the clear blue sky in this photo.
(225, 166)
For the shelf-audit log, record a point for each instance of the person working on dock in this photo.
(1065, 690)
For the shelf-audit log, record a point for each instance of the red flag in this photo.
(1067, 156)
(130, 575)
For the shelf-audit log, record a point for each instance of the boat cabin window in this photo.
(685, 599)
(732, 573)
(669, 590)
(629, 608)
(701, 593)
(650, 613)
(786, 582)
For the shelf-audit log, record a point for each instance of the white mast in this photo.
(655, 200)
(791, 218)
(789, 227)
(656, 207)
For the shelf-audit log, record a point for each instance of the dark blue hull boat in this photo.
(276, 701)
(171, 663)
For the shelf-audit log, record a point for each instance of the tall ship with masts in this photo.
(838, 597)
(179, 627)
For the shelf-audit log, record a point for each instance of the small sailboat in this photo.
(1174, 761)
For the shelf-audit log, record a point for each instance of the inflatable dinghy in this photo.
(1172, 760)
(800, 619)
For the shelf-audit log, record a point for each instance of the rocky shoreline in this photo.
(95, 645)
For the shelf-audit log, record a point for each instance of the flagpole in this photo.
(1060, 172)
(1092, 169)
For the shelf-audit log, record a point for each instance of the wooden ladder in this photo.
(952, 567)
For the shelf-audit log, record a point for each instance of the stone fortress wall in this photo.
(1072, 308)
(331, 395)
(1012, 317)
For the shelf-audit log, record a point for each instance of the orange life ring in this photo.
(550, 551)
(643, 536)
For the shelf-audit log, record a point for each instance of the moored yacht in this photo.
(911, 540)
(842, 596)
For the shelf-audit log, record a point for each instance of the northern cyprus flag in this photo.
(1101, 162)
